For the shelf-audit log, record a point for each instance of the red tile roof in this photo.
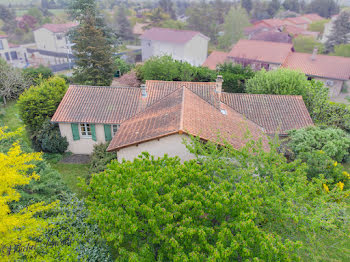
(263, 51)
(295, 31)
(299, 20)
(271, 22)
(170, 35)
(278, 37)
(3, 36)
(215, 58)
(182, 111)
(313, 17)
(333, 67)
(59, 28)
(276, 113)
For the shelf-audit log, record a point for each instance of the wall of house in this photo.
(5, 49)
(47, 40)
(157, 48)
(171, 145)
(196, 50)
(335, 89)
(82, 146)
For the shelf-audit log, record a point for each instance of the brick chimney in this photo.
(219, 81)
(143, 90)
(314, 54)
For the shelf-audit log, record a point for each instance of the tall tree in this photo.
(273, 7)
(292, 5)
(92, 49)
(247, 5)
(325, 8)
(8, 17)
(168, 7)
(340, 33)
(122, 25)
(235, 21)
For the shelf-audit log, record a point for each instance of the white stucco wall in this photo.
(47, 40)
(83, 146)
(171, 145)
(196, 50)
(335, 89)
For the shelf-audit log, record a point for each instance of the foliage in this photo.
(168, 7)
(36, 75)
(8, 17)
(122, 66)
(213, 208)
(49, 138)
(292, 5)
(325, 8)
(340, 33)
(235, 22)
(18, 229)
(273, 7)
(247, 5)
(318, 26)
(307, 44)
(235, 77)
(100, 158)
(157, 16)
(175, 24)
(41, 15)
(260, 10)
(122, 25)
(12, 81)
(40, 102)
(167, 69)
(342, 50)
(334, 142)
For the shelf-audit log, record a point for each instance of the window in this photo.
(1, 45)
(85, 130)
(7, 56)
(13, 55)
(59, 36)
(114, 129)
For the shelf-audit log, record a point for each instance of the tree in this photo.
(235, 77)
(36, 75)
(8, 16)
(273, 7)
(122, 25)
(307, 44)
(260, 10)
(334, 142)
(157, 16)
(340, 33)
(122, 66)
(325, 8)
(291, 5)
(342, 50)
(212, 208)
(21, 228)
(100, 158)
(247, 5)
(168, 7)
(318, 26)
(235, 22)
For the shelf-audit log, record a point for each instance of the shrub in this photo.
(306, 44)
(50, 140)
(100, 158)
(318, 26)
(35, 75)
(122, 66)
(40, 102)
(334, 142)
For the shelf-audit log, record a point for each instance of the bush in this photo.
(35, 75)
(334, 142)
(100, 158)
(40, 102)
(306, 44)
(318, 26)
(235, 77)
(49, 138)
(122, 66)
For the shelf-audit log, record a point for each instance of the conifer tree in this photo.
(122, 24)
(340, 33)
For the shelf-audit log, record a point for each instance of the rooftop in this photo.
(273, 22)
(170, 35)
(299, 20)
(59, 28)
(215, 58)
(278, 37)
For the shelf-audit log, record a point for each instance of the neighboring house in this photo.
(260, 54)
(182, 45)
(159, 115)
(333, 71)
(296, 31)
(299, 22)
(271, 23)
(15, 55)
(251, 31)
(214, 59)
(312, 17)
(278, 37)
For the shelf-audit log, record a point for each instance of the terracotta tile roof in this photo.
(215, 58)
(182, 111)
(92, 104)
(59, 28)
(263, 51)
(170, 35)
(313, 17)
(271, 22)
(275, 113)
(277, 37)
(333, 67)
(295, 31)
(11, 45)
(297, 20)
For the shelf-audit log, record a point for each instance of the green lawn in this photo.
(9, 116)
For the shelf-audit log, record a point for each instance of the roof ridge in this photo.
(180, 81)
(261, 94)
(182, 109)
(121, 87)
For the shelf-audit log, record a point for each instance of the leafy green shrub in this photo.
(334, 142)
(318, 26)
(49, 138)
(100, 158)
(37, 74)
(122, 66)
(235, 77)
(40, 102)
(307, 44)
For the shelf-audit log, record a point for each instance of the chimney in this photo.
(219, 81)
(143, 90)
(314, 54)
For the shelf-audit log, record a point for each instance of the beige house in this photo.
(158, 116)
(15, 55)
(182, 45)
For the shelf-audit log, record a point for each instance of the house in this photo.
(333, 71)
(279, 37)
(182, 45)
(14, 54)
(157, 116)
(214, 59)
(260, 54)
(296, 31)
(251, 31)
(312, 17)
(271, 23)
(299, 22)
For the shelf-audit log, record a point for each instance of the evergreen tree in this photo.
(122, 24)
(8, 17)
(93, 45)
(273, 7)
(325, 8)
(291, 5)
(247, 5)
(340, 33)
(168, 8)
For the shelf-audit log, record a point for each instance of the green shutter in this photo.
(93, 132)
(108, 132)
(75, 131)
